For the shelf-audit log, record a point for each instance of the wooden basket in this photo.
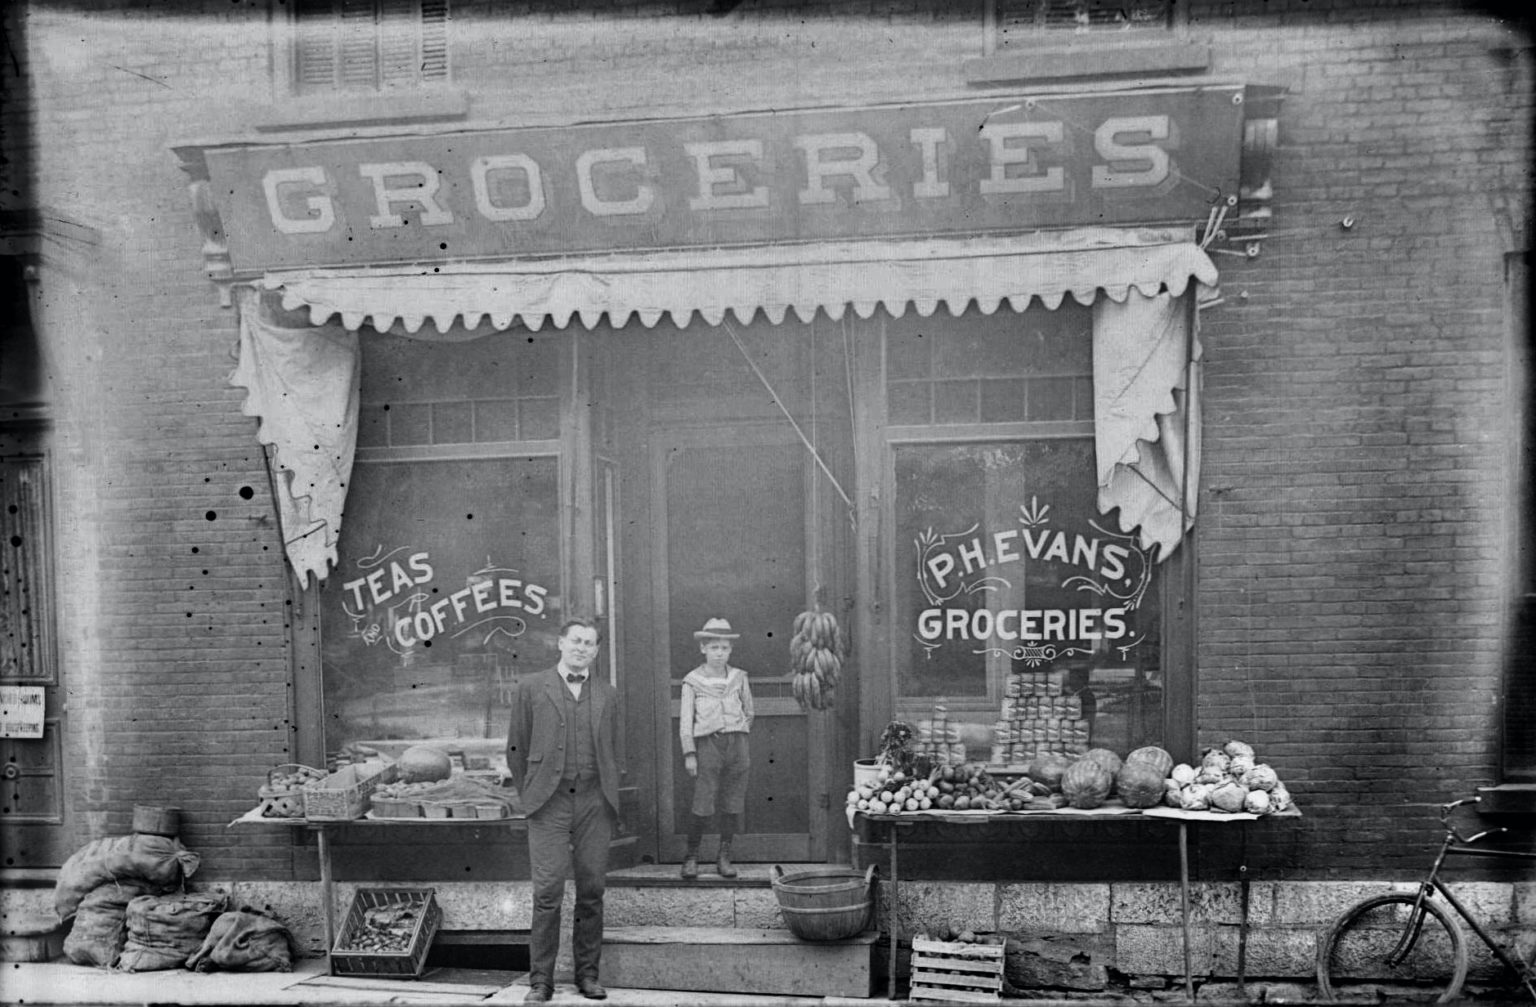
(418, 921)
(344, 795)
(956, 971)
(285, 800)
(824, 903)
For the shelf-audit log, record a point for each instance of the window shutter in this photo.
(369, 44)
(24, 602)
(1020, 20)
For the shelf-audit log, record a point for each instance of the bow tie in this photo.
(576, 679)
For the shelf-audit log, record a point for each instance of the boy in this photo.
(715, 722)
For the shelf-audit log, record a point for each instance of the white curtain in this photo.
(302, 384)
(1146, 392)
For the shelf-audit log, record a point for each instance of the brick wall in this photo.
(1353, 507)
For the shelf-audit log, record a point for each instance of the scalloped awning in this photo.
(776, 279)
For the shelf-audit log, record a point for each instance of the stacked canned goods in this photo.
(1038, 716)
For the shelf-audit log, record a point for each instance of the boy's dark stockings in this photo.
(697, 826)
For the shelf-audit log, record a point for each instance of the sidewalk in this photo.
(61, 982)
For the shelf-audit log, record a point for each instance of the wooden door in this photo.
(730, 540)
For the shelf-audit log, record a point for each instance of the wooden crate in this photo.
(956, 971)
(418, 919)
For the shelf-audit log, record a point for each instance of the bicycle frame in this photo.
(1458, 845)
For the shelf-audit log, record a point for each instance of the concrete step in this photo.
(767, 961)
(654, 895)
(31, 937)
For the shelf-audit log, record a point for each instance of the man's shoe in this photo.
(691, 866)
(538, 994)
(723, 863)
(591, 989)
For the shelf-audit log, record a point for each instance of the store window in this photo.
(1027, 622)
(369, 45)
(448, 585)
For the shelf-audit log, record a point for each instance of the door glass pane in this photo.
(447, 590)
(1027, 622)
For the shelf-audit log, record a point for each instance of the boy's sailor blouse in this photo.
(714, 705)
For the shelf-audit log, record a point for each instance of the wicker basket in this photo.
(284, 800)
(344, 795)
(956, 971)
(414, 916)
(824, 903)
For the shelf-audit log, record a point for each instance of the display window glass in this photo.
(1026, 621)
(448, 585)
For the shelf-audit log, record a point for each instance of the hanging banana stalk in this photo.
(815, 659)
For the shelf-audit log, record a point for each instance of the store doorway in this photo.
(730, 541)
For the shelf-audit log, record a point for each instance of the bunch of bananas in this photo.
(815, 658)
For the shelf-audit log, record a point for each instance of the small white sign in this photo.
(21, 711)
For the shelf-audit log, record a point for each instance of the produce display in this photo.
(1228, 780)
(815, 659)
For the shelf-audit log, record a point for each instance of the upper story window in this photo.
(369, 45)
(1021, 20)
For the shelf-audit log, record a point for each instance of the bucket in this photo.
(153, 821)
(825, 903)
(865, 771)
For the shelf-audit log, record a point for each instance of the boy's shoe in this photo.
(538, 993)
(691, 866)
(723, 862)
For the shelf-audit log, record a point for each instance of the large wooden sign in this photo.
(1002, 164)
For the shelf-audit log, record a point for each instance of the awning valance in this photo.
(775, 279)
(303, 383)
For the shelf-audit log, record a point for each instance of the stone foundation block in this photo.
(927, 905)
(758, 909)
(1318, 903)
(1158, 950)
(1054, 908)
(1074, 963)
(1160, 902)
(665, 907)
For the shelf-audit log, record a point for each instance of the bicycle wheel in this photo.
(1373, 942)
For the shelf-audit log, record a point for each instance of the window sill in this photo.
(1088, 56)
(329, 111)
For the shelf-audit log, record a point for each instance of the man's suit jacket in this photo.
(536, 736)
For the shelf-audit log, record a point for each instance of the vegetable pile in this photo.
(1229, 779)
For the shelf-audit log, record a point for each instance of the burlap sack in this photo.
(165, 930)
(162, 862)
(100, 928)
(243, 940)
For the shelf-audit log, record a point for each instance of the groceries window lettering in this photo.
(394, 602)
(1091, 581)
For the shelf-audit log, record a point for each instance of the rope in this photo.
(725, 322)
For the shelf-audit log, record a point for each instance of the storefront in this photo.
(933, 368)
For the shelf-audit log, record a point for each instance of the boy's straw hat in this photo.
(716, 629)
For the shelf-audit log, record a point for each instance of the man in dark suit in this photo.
(561, 752)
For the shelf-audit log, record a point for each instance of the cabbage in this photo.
(1229, 796)
(1172, 794)
(1256, 802)
(1279, 798)
(1260, 777)
(1239, 765)
(1211, 775)
(1195, 797)
(1215, 758)
(1182, 774)
(1238, 748)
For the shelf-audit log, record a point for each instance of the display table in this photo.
(325, 830)
(889, 831)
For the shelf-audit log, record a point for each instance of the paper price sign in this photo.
(21, 711)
